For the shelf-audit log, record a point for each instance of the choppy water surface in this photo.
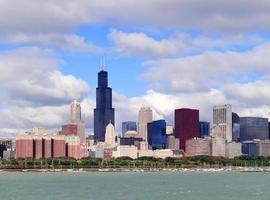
(134, 186)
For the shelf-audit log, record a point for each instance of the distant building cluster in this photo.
(229, 135)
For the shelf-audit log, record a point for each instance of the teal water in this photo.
(135, 186)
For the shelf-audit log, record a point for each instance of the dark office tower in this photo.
(104, 112)
(186, 125)
(269, 130)
(204, 129)
(157, 134)
(235, 127)
(253, 128)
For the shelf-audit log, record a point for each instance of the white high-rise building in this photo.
(145, 117)
(75, 112)
(110, 135)
(76, 118)
(222, 118)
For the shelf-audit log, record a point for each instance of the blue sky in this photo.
(162, 54)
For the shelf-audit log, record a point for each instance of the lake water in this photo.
(135, 186)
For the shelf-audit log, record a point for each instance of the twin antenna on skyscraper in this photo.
(102, 63)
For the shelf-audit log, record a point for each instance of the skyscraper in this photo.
(235, 127)
(157, 134)
(145, 117)
(222, 117)
(204, 129)
(76, 125)
(75, 112)
(128, 126)
(253, 128)
(186, 125)
(104, 112)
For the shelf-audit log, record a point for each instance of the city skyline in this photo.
(162, 62)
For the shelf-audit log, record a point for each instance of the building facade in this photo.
(110, 135)
(75, 112)
(233, 149)
(157, 134)
(222, 117)
(128, 126)
(256, 148)
(145, 117)
(204, 129)
(104, 112)
(198, 146)
(186, 125)
(235, 127)
(253, 128)
(76, 126)
(218, 145)
(172, 142)
(47, 146)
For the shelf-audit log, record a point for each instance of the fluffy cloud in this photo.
(31, 76)
(18, 119)
(66, 15)
(140, 44)
(34, 92)
(69, 42)
(208, 70)
(251, 93)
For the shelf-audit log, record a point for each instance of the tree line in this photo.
(140, 163)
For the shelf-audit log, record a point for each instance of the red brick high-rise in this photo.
(186, 125)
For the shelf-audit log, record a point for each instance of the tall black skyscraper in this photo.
(104, 112)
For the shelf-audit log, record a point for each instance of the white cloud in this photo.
(208, 70)
(251, 93)
(70, 42)
(31, 76)
(64, 16)
(34, 92)
(140, 44)
(18, 119)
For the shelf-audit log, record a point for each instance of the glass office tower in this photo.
(186, 125)
(204, 129)
(104, 112)
(128, 126)
(157, 134)
(253, 128)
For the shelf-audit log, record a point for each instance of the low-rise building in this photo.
(41, 145)
(256, 148)
(233, 149)
(9, 154)
(172, 142)
(125, 151)
(218, 145)
(159, 153)
(263, 148)
(198, 146)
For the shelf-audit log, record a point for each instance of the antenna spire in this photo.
(102, 63)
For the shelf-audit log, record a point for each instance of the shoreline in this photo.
(122, 170)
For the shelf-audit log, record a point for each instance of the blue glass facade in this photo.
(157, 134)
(130, 140)
(204, 129)
(249, 148)
(128, 126)
(253, 128)
(235, 127)
(104, 112)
